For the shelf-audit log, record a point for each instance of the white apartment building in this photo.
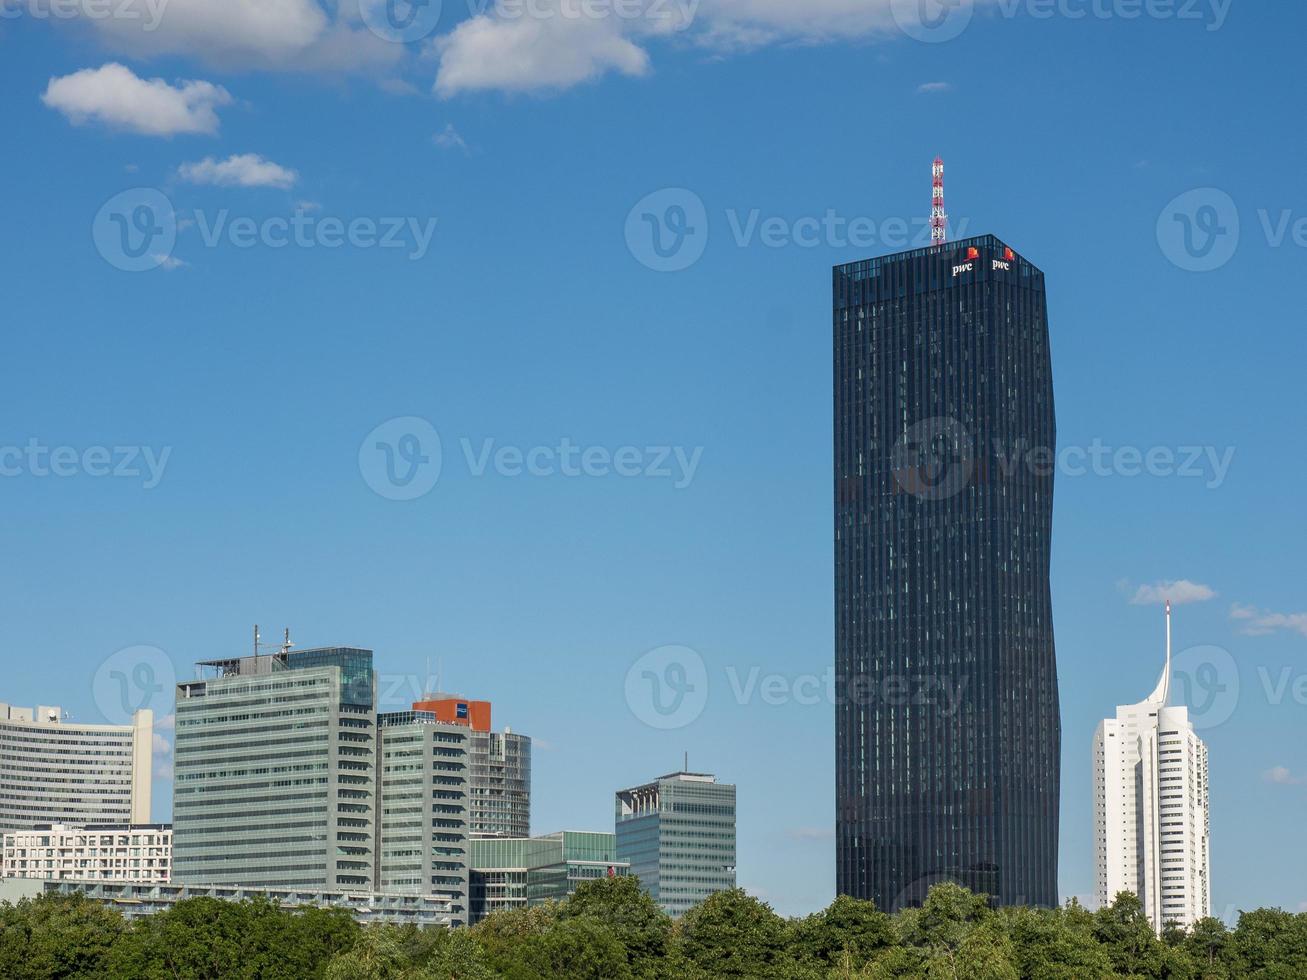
(53, 770)
(141, 853)
(1151, 807)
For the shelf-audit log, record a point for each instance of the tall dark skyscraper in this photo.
(948, 732)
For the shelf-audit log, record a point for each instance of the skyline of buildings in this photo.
(1152, 816)
(941, 567)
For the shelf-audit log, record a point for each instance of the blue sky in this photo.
(529, 314)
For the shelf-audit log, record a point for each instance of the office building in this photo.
(1151, 808)
(138, 853)
(500, 786)
(53, 770)
(678, 835)
(948, 730)
(515, 874)
(274, 762)
(135, 901)
(422, 808)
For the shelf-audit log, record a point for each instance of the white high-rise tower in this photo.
(1151, 807)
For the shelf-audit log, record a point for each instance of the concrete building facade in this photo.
(137, 853)
(1151, 808)
(274, 762)
(57, 771)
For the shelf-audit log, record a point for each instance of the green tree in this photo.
(1269, 944)
(846, 934)
(731, 934)
(637, 921)
(576, 948)
(64, 936)
(1127, 937)
(1057, 944)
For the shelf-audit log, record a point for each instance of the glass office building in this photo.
(274, 772)
(519, 873)
(422, 808)
(678, 835)
(947, 721)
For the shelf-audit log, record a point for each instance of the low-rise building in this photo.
(137, 900)
(139, 853)
(524, 872)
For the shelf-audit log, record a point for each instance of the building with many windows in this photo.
(274, 772)
(140, 853)
(422, 807)
(514, 874)
(678, 835)
(135, 901)
(1151, 808)
(948, 728)
(53, 770)
(500, 785)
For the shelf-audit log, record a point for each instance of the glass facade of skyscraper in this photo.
(678, 834)
(947, 720)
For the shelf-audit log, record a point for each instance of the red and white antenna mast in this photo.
(938, 219)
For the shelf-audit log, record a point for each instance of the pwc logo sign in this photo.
(1005, 263)
(973, 254)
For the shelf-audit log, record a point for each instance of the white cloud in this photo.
(1259, 622)
(241, 170)
(112, 94)
(166, 723)
(930, 87)
(752, 23)
(1181, 592)
(528, 53)
(449, 138)
(268, 34)
(1283, 777)
(161, 745)
(168, 263)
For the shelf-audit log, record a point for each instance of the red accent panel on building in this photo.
(458, 711)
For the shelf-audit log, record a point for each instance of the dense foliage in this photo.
(610, 930)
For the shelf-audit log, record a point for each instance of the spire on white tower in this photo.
(1162, 695)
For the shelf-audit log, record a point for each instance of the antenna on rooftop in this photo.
(256, 639)
(938, 219)
(286, 644)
